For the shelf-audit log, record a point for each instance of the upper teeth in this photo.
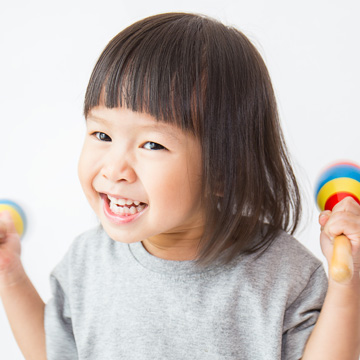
(123, 202)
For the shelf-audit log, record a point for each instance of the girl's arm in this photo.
(337, 332)
(22, 303)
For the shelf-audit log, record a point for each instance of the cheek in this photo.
(82, 168)
(176, 188)
(86, 169)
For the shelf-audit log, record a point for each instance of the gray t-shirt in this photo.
(116, 301)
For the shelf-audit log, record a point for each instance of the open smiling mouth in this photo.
(122, 208)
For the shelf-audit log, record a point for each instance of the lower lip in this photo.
(116, 218)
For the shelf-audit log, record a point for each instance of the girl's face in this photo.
(142, 177)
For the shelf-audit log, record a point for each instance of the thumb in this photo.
(324, 217)
(7, 222)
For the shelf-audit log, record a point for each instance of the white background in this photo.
(48, 50)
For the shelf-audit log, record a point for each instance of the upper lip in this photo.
(117, 196)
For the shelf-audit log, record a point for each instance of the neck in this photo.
(173, 246)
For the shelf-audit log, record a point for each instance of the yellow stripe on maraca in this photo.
(18, 222)
(335, 186)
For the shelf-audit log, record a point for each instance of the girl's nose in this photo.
(118, 168)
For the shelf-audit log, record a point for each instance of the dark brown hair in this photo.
(208, 79)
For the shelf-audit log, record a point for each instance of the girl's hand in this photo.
(343, 219)
(10, 263)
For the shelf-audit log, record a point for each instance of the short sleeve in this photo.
(302, 314)
(60, 342)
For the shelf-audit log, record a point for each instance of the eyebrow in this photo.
(160, 127)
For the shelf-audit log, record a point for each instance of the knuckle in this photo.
(345, 205)
(340, 216)
(348, 201)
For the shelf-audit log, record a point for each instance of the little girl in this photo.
(185, 165)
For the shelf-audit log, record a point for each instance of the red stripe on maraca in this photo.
(337, 197)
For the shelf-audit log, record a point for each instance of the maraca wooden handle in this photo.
(341, 266)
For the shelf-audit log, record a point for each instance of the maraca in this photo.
(16, 213)
(336, 183)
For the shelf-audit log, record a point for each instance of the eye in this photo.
(101, 136)
(153, 146)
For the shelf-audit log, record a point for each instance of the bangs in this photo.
(153, 66)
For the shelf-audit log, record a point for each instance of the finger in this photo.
(348, 205)
(343, 223)
(324, 217)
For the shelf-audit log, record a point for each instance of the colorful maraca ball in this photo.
(336, 183)
(16, 213)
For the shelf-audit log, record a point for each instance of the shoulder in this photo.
(87, 252)
(290, 253)
(285, 269)
(295, 268)
(89, 241)
(285, 254)
(289, 257)
(87, 244)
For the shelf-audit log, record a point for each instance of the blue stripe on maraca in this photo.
(338, 171)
